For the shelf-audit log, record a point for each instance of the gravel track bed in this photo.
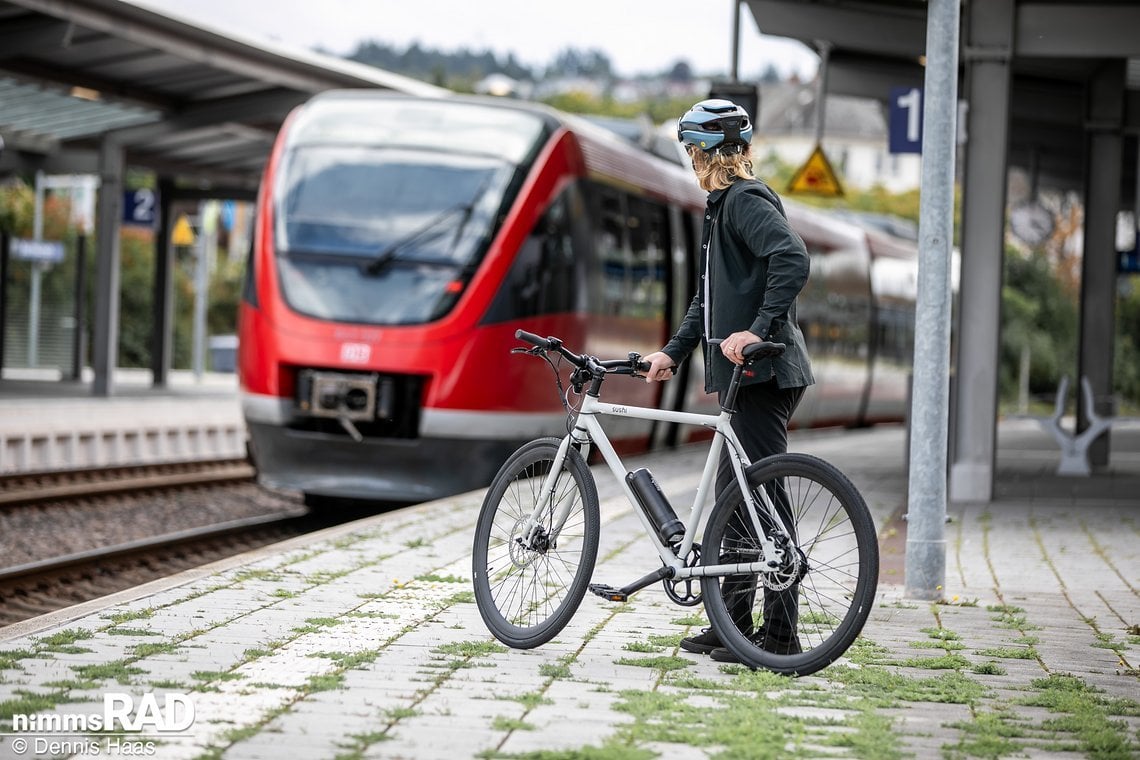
(31, 533)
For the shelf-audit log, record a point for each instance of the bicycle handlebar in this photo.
(760, 350)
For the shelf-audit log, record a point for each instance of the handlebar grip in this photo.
(646, 366)
(533, 339)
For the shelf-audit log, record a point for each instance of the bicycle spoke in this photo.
(530, 573)
(815, 602)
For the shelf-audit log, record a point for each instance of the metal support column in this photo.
(989, 29)
(78, 352)
(162, 317)
(1103, 166)
(926, 489)
(5, 242)
(109, 212)
(736, 44)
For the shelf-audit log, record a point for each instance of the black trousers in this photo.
(761, 424)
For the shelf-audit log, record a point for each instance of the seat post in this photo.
(733, 386)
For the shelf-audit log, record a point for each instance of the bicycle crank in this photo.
(681, 590)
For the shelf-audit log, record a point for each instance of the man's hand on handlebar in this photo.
(661, 367)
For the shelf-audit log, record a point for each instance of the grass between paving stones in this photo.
(1086, 722)
(759, 714)
(345, 661)
(552, 672)
(123, 670)
(754, 716)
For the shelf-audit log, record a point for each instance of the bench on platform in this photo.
(1075, 446)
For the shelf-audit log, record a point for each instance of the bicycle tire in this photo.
(523, 595)
(838, 572)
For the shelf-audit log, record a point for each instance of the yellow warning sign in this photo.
(182, 234)
(816, 176)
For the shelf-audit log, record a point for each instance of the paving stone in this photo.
(358, 635)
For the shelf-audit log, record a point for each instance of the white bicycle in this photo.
(794, 532)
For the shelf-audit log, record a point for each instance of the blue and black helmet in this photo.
(715, 124)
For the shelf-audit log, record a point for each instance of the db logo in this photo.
(355, 353)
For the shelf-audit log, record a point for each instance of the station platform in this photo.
(51, 424)
(364, 641)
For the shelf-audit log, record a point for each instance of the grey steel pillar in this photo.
(78, 346)
(1103, 165)
(989, 44)
(108, 212)
(926, 487)
(163, 307)
(736, 44)
(5, 243)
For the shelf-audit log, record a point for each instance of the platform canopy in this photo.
(98, 87)
(196, 104)
(1056, 48)
(1050, 87)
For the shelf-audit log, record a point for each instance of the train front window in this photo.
(362, 201)
(385, 228)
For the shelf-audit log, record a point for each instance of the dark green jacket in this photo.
(756, 267)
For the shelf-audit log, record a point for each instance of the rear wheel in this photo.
(802, 615)
(527, 591)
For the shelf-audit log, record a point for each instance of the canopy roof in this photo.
(198, 104)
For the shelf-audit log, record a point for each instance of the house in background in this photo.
(855, 136)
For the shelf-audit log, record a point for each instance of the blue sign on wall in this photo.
(140, 206)
(905, 120)
(1129, 261)
(47, 251)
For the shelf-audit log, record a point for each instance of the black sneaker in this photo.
(703, 643)
(724, 654)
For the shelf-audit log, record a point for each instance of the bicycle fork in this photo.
(559, 509)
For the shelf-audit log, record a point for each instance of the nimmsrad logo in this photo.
(121, 712)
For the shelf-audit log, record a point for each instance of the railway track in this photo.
(71, 537)
(39, 488)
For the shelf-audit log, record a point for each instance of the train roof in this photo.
(609, 157)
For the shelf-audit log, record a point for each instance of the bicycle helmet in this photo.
(714, 125)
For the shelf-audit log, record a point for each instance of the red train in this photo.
(401, 241)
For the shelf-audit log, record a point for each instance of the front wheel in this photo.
(527, 589)
(802, 615)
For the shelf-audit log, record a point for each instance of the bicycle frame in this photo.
(588, 429)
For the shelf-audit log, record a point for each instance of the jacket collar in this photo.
(716, 196)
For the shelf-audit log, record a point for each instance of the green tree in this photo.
(1040, 315)
(136, 297)
(1127, 354)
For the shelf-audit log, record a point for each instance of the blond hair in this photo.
(717, 171)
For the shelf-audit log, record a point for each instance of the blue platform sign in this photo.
(46, 251)
(1129, 261)
(140, 206)
(905, 120)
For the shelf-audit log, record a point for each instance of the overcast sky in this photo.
(639, 36)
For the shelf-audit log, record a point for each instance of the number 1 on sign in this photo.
(912, 102)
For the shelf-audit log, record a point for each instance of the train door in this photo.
(681, 283)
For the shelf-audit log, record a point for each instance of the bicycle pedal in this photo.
(609, 593)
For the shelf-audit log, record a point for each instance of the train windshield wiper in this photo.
(433, 228)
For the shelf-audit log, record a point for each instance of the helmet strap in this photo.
(728, 149)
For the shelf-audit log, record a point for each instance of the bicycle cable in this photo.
(545, 356)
